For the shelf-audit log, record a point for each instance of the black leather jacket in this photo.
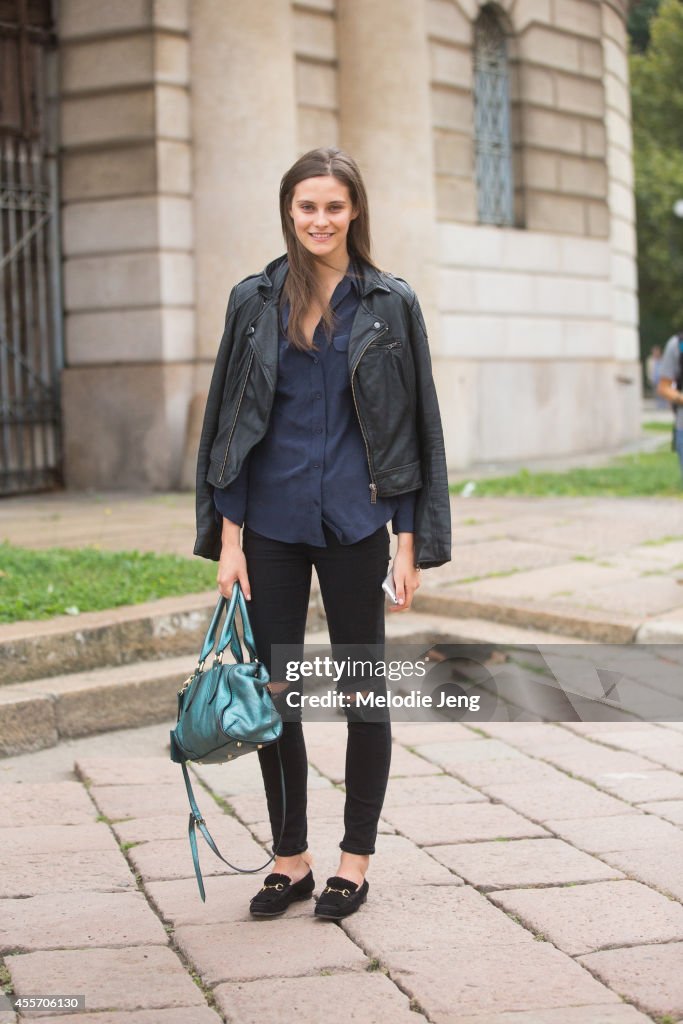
(392, 387)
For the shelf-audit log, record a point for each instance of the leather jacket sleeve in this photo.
(208, 542)
(432, 511)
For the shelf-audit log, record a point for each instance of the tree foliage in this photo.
(640, 14)
(657, 98)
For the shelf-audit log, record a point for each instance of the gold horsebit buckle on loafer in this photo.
(278, 886)
(344, 892)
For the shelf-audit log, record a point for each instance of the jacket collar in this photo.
(265, 329)
(272, 278)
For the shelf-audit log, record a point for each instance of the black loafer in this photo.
(278, 891)
(340, 897)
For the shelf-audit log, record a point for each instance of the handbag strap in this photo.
(229, 635)
(228, 638)
(210, 638)
(228, 632)
(197, 821)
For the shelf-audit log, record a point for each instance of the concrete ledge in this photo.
(663, 629)
(117, 636)
(39, 714)
(176, 626)
(596, 628)
(27, 722)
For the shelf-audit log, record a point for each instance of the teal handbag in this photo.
(224, 711)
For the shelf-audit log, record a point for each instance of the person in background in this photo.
(669, 387)
(652, 373)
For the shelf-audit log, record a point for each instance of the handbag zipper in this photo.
(372, 485)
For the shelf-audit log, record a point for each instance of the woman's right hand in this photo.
(232, 564)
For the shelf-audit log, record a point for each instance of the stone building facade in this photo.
(177, 120)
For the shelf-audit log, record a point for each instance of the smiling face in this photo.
(322, 211)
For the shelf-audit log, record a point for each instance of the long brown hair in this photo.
(301, 286)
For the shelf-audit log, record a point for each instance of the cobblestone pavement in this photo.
(526, 873)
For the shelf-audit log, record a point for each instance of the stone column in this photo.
(127, 241)
(627, 398)
(244, 139)
(385, 123)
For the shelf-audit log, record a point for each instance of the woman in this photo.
(321, 425)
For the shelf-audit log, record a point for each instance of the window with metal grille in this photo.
(493, 148)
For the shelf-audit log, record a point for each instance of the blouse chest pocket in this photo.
(340, 340)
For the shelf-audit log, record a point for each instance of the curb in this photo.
(116, 636)
(177, 625)
(121, 668)
(663, 630)
(584, 625)
(43, 712)
(39, 714)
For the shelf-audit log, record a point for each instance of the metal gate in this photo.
(30, 313)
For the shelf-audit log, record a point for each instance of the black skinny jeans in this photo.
(350, 578)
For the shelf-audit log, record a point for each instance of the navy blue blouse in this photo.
(311, 466)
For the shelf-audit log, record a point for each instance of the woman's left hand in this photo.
(406, 578)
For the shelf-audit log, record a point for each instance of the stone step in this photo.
(115, 636)
(41, 712)
(584, 624)
(177, 625)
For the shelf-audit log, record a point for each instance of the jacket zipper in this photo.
(237, 412)
(372, 485)
(244, 385)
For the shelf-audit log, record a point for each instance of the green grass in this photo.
(56, 581)
(6, 985)
(647, 473)
(658, 425)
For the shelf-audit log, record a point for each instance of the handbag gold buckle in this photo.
(185, 685)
